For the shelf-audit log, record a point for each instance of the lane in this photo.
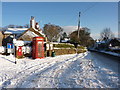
(105, 61)
(108, 69)
(85, 70)
(31, 70)
(88, 71)
(45, 78)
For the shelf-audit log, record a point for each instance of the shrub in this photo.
(81, 47)
(63, 45)
(64, 51)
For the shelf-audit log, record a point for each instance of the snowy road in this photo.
(86, 70)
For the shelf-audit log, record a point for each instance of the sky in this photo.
(94, 15)
(59, 0)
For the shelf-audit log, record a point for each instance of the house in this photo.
(11, 33)
(115, 42)
(31, 32)
(23, 34)
(101, 45)
(114, 45)
(110, 44)
(65, 40)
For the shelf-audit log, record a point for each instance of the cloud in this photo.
(95, 35)
(69, 29)
(116, 34)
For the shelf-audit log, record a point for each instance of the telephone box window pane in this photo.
(40, 49)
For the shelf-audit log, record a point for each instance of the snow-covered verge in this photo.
(65, 71)
(107, 52)
(111, 53)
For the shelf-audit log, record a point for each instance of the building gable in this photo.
(29, 34)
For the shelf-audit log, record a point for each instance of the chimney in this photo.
(32, 22)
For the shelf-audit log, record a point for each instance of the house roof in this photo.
(14, 30)
(118, 39)
(29, 34)
(25, 34)
(108, 41)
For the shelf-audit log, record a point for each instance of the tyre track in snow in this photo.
(45, 70)
(55, 67)
(60, 68)
(79, 73)
(24, 74)
(60, 78)
(91, 76)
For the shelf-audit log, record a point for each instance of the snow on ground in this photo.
(111, 53)
(107, 52)
(64, 71)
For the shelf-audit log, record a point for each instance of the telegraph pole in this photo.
(79, 24)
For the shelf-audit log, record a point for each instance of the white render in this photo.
(2, 49)
(20, 43)
(32, 23)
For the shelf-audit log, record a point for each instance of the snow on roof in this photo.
(103, 42)
(40, 32)
(15, 30)
(118, 39)
(29, 33)
(100, 42)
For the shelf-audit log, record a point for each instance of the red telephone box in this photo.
(38, 47)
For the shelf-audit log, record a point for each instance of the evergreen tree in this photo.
(84, 37)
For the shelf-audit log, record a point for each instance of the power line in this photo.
(88, 8)
(82, 13)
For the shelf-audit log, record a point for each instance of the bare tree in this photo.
(26, 26)
(106, 34)
(11, 26)
(19, 26)
(52, 31)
